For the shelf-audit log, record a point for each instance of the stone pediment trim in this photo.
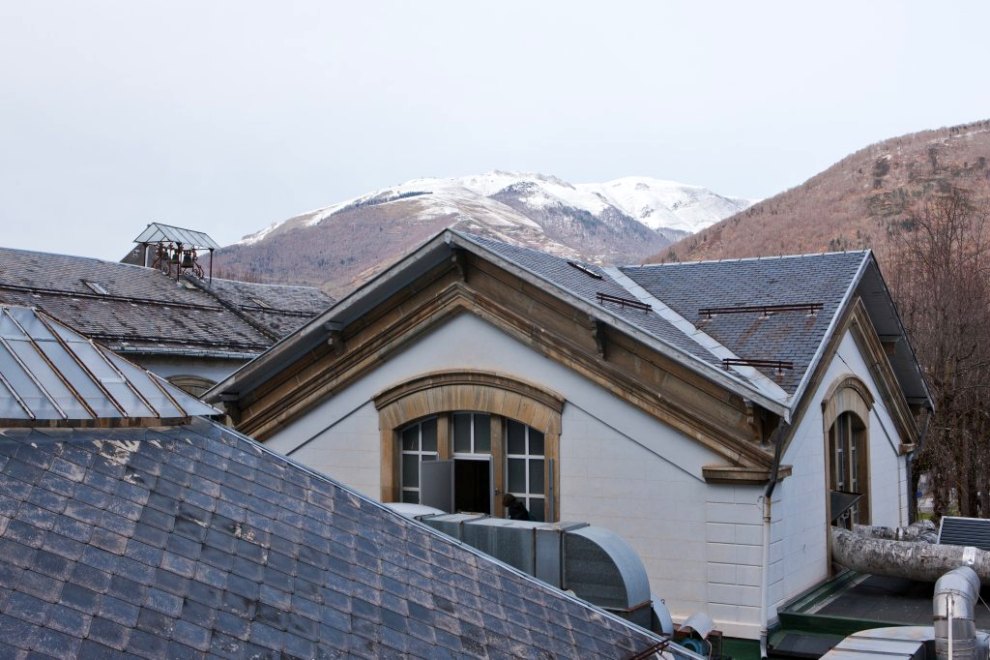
(742, 476)
(858, 324)
(480, 391)
(704, 411)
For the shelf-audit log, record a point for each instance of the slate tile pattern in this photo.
(791, 336)
(144, 310)
(193, 541)
(688, 287)
(574, 280)
(280, 308)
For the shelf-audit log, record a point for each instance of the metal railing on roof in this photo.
(762, 310)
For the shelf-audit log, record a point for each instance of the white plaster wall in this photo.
(619, 468)
(623, 470)
(798, 558)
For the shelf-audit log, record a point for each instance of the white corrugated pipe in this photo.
(954, 609)
(924, 562)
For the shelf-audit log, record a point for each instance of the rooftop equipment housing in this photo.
(594, 563)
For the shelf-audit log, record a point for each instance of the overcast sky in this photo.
(227, 116)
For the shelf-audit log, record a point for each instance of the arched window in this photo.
(195, 385)
(846, 411)
(462, 441)
(848, 466)
(489, 456)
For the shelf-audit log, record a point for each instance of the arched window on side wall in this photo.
(849, 467)
(846, 411)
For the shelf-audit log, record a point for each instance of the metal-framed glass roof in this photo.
(157, 232)
(50, 373)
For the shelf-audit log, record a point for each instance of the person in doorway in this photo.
(515, 508)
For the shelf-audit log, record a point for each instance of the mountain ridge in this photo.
(856, 203)
(341, 245)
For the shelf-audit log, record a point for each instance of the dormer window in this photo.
(96, 287)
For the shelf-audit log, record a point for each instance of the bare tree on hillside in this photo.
(940, 277)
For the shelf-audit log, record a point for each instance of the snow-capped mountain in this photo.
(623, 220)
(667, 207)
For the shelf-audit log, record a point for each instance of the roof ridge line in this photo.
(766, 257)
(692, 332)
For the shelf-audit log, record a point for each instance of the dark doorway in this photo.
(472, 486)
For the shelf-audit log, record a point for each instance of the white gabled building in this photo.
(664, 402)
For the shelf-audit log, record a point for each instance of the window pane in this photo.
(410, 438)
(482, 434)
(410, 471)
(536, 508)
(430, 434)
(462, 433)
(410, 496)
(536, 476)
(517, 475)
(535, 442)
(516, 437)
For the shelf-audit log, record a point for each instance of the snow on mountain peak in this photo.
(500, 198)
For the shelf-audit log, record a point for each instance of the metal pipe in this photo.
(778, 437)
(954, 610)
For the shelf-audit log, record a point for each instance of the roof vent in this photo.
(175, 250)
(974, 532)
(584, 269)
(96, 287)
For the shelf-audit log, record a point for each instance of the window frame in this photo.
(447, 393)
(848, 402)
(419, 453)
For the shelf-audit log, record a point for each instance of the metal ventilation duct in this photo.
(596, 564)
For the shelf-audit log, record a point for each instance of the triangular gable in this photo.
(585, 319)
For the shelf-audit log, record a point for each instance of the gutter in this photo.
(767, 519)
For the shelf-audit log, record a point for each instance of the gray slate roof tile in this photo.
(208, 569)
(688, 287)
(790, 336)
(147, 311)
(559, 272)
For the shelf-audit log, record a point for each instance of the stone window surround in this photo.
(441, 393)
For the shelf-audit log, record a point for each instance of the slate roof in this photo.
(688, 287)
(792, 336)
(192, 541)
(145, 311)
(671, 323)
(181, 538)
(575, 280)
(280, 308)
